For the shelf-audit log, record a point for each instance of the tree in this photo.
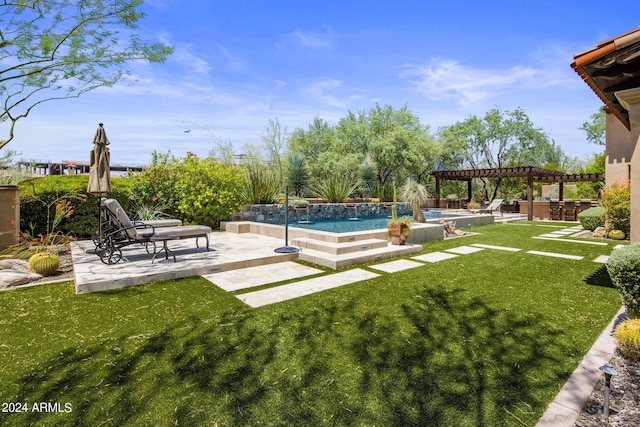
(60, 49)
(595, 127)
(6, 158)
(501, 139)
(275, 139)
(392, 139)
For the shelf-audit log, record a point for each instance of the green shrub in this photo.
(211, 191)
(156, 185)
(616, 201)
(197, 190)
(627, 335)
(624, 269)
(39, 198)
(592, 218)
(44, 263)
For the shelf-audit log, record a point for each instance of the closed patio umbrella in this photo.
(99, 174)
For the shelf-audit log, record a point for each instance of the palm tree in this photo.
(416, 194)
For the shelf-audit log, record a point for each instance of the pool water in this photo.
(364, 224)
(343, 225)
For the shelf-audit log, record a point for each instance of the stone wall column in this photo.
(9, 215)
(630, 100)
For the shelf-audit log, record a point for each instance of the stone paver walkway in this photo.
(464, 250)
(305, 287)
(395, 266)
(434, 257)
(555, 255)
(499, 248)
(251, 277)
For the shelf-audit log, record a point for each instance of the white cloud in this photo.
(233, 62)
(312, 40)
(449, 80)
(279, 84)
(333, 92)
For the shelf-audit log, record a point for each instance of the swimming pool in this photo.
(343, 225)
(361, 224)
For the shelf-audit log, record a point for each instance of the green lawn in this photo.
(485, 339)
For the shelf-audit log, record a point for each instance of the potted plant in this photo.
(398, 227)
(473, 205)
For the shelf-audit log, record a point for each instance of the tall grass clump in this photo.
(335, 188)
(416, 194)
(627, 336)
(261, 183)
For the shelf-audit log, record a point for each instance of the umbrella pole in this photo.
(100, 237)
(99, 219)
(286, 249)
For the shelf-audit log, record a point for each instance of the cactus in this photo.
(44, 263)
(616, 234)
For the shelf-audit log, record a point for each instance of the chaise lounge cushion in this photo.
(144, 230)
(157, 223)
(183, 231)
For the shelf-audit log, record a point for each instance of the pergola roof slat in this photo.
(538, 174)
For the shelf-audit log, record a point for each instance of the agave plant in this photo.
(335, 188)
(416, 194)
(145, 212)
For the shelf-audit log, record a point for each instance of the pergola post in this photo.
(561, 190)
(530, 198)
(437, 192)
(469, 190)
(630, 100)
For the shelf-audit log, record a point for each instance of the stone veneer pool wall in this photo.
(274, 214)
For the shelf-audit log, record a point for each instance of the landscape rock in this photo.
(9, 278)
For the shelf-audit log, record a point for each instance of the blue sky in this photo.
(239, 63)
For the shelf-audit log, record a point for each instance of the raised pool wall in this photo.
(274, 213)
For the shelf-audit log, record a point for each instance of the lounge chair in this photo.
(120, 231)
(569, 210)
(555, 211)
(495, 205)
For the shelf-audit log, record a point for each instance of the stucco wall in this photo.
(618, 150)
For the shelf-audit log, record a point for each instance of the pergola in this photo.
(531, 173)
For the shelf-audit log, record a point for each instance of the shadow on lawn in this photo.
(600, 278)
(436, 360)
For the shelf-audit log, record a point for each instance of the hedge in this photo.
(37, 193)
(624, 269)
(592, 218)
